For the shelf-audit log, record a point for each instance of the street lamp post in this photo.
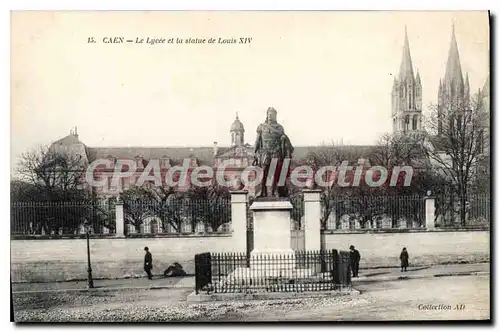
(89, 269)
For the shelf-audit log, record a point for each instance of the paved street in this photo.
(188, 282)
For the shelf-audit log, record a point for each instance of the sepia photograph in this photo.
(250, 166)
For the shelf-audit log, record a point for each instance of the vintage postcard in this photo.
(175, 166)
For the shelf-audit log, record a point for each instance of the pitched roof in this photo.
(71, 139)
(176, 154)
(204, 155)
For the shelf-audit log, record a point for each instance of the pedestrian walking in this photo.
(355, 257)
(148, 263)
(404, 257)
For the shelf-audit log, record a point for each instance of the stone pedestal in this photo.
(272, 236)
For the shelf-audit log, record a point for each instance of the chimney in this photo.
(216, 149)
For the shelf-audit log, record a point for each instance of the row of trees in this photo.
(209, 206)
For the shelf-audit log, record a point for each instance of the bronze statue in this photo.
(272, 143)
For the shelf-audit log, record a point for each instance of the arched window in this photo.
(407, 123)
(414, 124)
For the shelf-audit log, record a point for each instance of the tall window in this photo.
(409, 97)
(414, 123)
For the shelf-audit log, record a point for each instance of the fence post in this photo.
(430, 208)
(312, 219)
(239, 220)
(120, 220)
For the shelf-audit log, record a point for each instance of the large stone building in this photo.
(239, 153)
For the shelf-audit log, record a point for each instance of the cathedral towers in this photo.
(453, 88)
(406, 95)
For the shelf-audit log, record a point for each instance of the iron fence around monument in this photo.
(303, 271)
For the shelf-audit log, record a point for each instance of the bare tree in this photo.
(56, 175)
(330, 155)
(456, 132)
(399, 149)
(152, 201)
(57, 180)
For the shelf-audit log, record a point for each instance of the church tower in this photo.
(237, 133)
(453, 88)
(406, 96)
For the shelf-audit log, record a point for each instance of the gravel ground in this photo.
(378, 301)
(149, 306)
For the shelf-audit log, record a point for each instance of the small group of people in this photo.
(174, 270)
(355, 257)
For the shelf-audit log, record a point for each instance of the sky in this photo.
(328, 74)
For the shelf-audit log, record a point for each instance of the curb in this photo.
(199, 298)
(419, 276)
(99, 289)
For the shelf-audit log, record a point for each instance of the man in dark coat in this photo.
(148, 263)
(404, 257)
(355, 258)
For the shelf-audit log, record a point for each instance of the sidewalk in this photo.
(387, 274)
(159, 282)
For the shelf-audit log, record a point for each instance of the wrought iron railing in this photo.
(303, 271)
(178, 215)
(62, 218)
(449, 214)
(374, 212)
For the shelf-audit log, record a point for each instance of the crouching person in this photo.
(174, 270)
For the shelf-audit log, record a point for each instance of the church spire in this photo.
(453, 75)
(406, 67)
